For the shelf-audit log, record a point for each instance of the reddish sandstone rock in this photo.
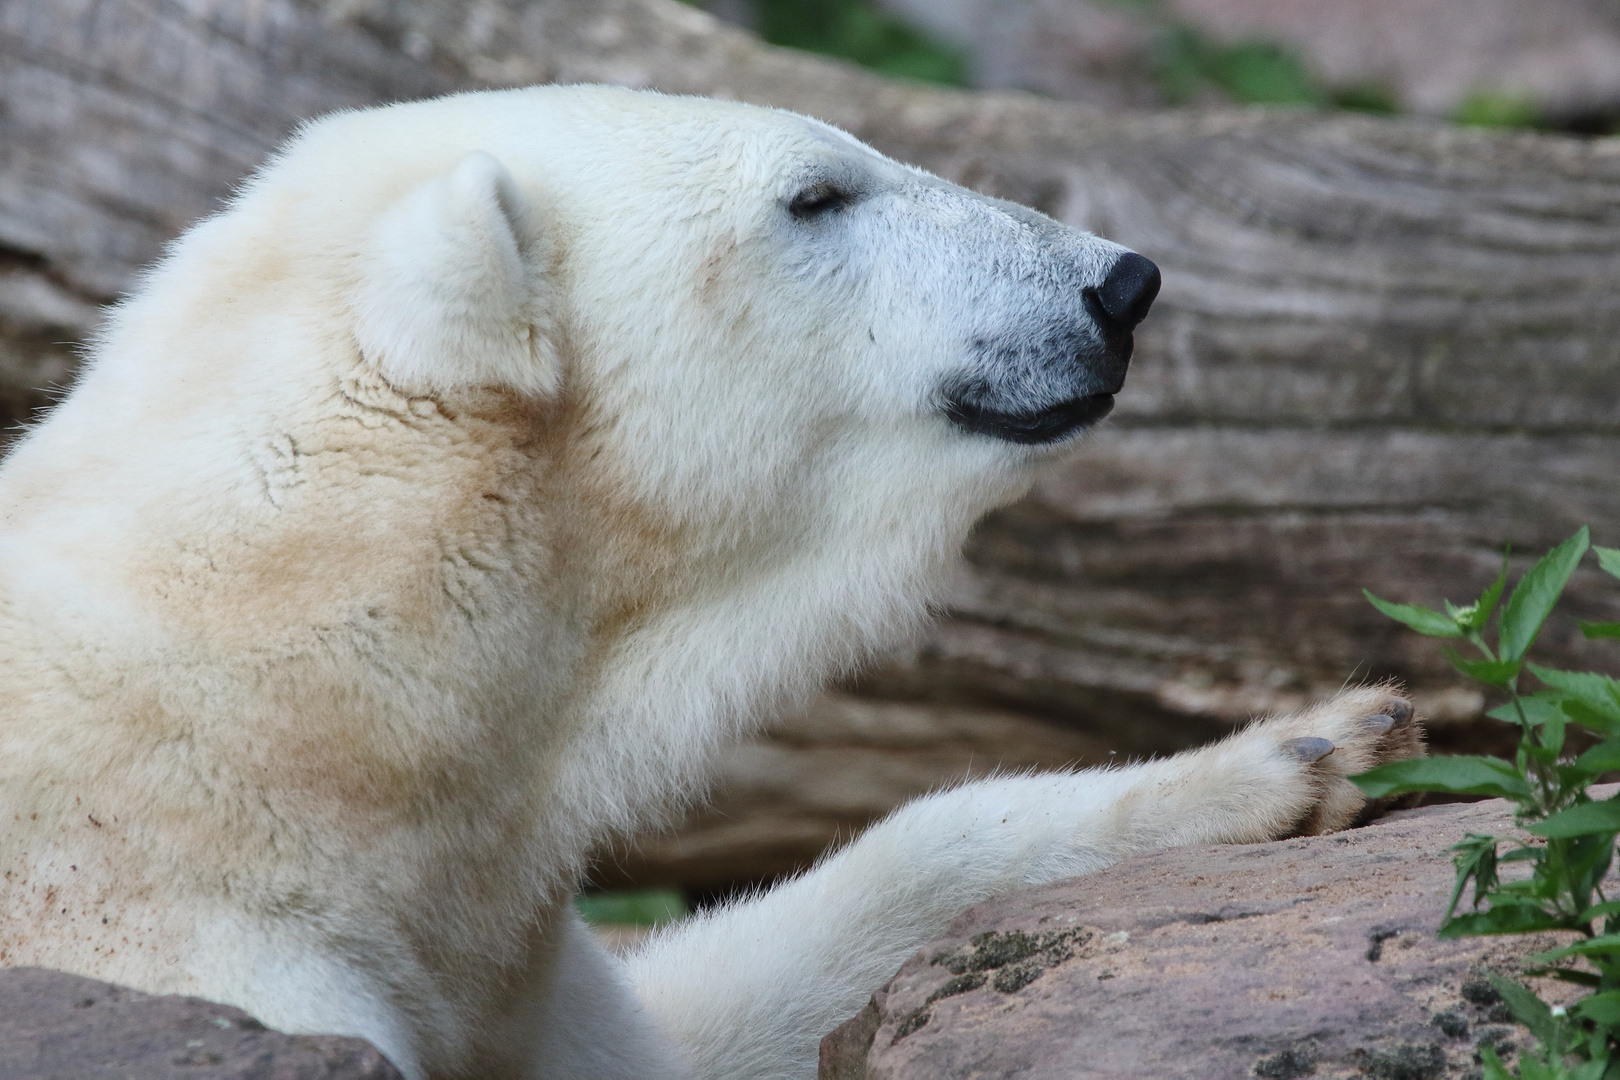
(1310, 957)
(55, 1026)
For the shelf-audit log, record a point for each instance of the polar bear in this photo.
(442, 504)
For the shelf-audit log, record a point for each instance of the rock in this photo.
(1383, 351)
(1307, 957)
(1559, 59)
(54, 1025)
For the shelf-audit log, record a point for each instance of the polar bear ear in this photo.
(452, 291)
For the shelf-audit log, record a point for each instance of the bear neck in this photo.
(334, 634)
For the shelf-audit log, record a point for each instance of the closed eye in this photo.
(818, 200)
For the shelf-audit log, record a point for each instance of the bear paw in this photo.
(1349, 734)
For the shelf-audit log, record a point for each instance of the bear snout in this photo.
(1123, 299)
(1116, 308)
(1037, 388)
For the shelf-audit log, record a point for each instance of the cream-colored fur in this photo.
(438, 507)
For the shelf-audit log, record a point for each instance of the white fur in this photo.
(440, 506)
(444, 274)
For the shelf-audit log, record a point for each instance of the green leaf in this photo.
(1601, 911)
(1609, 559)
(1532, 1067)
(1487, 599)
(1460, 775)
(1569, 975)
(1579, 863)
(1580, 714)
(1422, 619)
(1538, 708)
(631, 907)
(1499, 919)
(1583, 820)
(1476, 861)
(1536, 593)
(1496, 672)
(1530, 1010)
(1601, 1008)
(1590, 947)
(1529, 891)
(1595, 631)
(1525, 854)
(1598, 693)
(1603, 757)
(1552, 737)
(1493, 1065)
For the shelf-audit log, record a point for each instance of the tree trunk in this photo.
(1384, 350)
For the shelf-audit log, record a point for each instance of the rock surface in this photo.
(55, 1026)
(1308, 957)
(1382, 351)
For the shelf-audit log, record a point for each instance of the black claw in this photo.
(1310, 749)
(1378, 724)
(1400, 710)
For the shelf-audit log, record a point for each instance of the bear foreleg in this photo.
(749, 988)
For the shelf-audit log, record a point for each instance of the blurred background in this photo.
(1386, 348)
(1551, 64)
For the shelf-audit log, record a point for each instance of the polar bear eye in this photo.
(818, 200)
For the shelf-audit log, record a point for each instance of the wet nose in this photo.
(1127, 292)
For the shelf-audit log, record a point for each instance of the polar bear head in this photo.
(734, 291)
(549, 411)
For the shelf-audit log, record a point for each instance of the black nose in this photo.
(1127, 292)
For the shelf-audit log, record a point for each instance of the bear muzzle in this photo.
(1122, 300)
(1096, 369)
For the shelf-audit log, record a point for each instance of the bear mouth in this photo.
(1034, 428)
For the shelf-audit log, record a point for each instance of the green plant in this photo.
(860, 31)
(631, 907)
(1575, 836)
(1368, 97)
(1490, 108)
(1251, 72)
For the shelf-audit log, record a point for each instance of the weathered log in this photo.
(1383, 350)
